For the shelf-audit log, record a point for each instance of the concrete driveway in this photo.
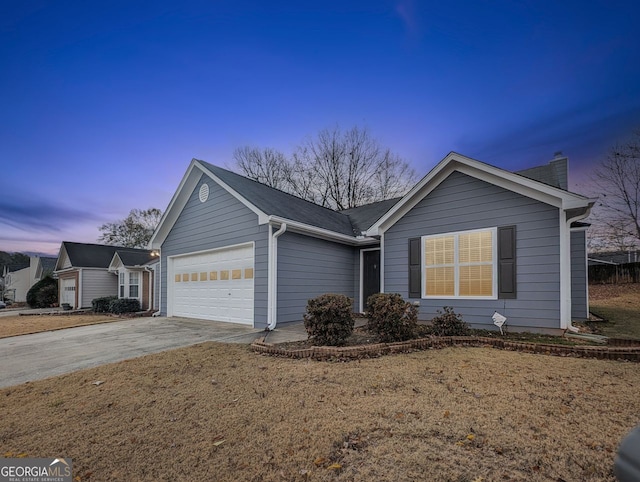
(43, 355)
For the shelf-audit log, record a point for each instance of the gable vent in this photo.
(204, 193)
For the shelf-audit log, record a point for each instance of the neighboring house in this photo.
(135, 274)
(18, 283)
(89, 271)
(468, 235)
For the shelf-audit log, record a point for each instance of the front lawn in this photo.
(619, 307)
(219, 412)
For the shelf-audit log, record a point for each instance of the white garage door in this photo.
(69, 291)
(214, 285)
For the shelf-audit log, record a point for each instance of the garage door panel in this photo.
(69, 291)
(219, 285)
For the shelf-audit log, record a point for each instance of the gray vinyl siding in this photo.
(579, 301)
(309, 267)
(462, 203)
(97, 283)
(220, 221)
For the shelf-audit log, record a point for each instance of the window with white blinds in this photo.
(460, 265)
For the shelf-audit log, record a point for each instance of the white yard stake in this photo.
(498, 320)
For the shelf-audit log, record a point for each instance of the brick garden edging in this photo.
(629, 353)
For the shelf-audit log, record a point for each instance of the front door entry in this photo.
(370, 274)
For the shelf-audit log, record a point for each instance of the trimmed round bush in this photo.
(329, 319)
(124, 305)
(44, 293)
(101, 305)
(448, 323)
(391, 318)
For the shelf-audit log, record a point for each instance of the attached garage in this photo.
(213, 285)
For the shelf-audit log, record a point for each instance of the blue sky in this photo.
(104, 104)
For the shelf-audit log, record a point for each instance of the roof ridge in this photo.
(105, 245)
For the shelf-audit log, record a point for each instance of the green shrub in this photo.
(124, 305)
(449, 323)
(44, 293)
(328, 319)
(101, 305)
(391, 318)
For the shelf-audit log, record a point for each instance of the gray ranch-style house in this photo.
(88, 271)
(469, 235)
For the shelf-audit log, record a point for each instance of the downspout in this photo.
(569, 301)
(273, 276)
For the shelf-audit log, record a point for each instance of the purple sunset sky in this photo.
(104, 104)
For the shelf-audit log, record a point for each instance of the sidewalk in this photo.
(296, 331)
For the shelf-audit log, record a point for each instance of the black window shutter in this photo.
(415, 270)
(507, 262)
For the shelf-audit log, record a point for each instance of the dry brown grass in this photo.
(615, 295)
(220, 412)
(619, 305)
(22, 325)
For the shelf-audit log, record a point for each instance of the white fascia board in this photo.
(479, 170)
(182, 195)
(320, 232)
(59, 260)
(579, 203)
(115, 263)
(177, 203)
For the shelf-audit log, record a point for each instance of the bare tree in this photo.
(617, 224)
(134, 231)
(265, 165)
(337, 169)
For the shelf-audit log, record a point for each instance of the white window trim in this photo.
(456, 234)
(122, 284)
(130, 284)
(126, 273)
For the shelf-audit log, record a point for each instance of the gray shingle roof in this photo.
(363, 217)
(48, 264)
(274, 202)
(135, 257)
(83, 255)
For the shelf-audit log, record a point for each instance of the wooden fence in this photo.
(614, 274)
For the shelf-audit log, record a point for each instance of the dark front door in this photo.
(370, 274)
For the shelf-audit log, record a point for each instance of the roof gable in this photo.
(265, 201)
(508, 180)
(63, 261)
